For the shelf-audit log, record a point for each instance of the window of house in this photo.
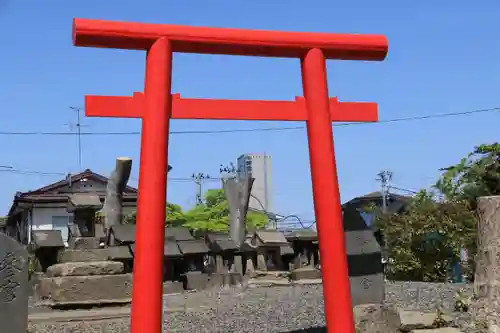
(368, 218)
(61, 223)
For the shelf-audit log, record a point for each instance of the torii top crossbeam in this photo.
(187, 39)
(156, 106)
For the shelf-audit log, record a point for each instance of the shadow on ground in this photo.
(321, 329)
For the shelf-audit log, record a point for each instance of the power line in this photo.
(44, 173)
(263, 129)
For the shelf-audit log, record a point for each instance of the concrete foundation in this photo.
(306, 273)
(170, 287)
(81, 290)
(85, 268)
(84, 243)
(220, 280)
(196, 281)
(109, 253)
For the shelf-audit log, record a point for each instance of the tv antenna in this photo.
(78, 126)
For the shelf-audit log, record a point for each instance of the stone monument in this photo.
(14, 287)
(364, 258)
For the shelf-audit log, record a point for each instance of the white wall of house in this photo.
(48, 218)
(56, 218)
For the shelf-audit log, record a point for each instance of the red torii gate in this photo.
(157, 106)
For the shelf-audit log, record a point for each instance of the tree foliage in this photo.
(211, 215)
(425, 240)
(174, 216)
(477, 174)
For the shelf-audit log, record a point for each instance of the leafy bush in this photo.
(425, 241)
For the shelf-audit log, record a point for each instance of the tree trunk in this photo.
(487, 275)
(113, 213)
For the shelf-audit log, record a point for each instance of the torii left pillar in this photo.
(157, 106)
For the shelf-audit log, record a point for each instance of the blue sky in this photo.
(443, 57)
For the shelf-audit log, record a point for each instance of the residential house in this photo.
(395, 203)
(46, 208)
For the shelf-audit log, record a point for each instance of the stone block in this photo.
(261, 262)
(170, 287)
(376, 318)
(368, 289)
(85, 268)
(229, 279)
(196, 280)
(84, 243)
(237, 266)
(416, 320)
(306, 273)
(86, 290)
(109, 253)
(250, 267)
(438, 330)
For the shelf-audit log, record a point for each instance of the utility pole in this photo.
(198, 180)
(79, 134)
(385, 178)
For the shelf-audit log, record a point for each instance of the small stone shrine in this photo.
(84, 206)
(364, 259)
(194, 252)
(306, 254)
(223, 250)
(273, 250)
(82, 233)
(46, 246)
(14, 286)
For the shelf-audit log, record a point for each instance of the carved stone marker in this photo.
(14, 289)
(364, 258)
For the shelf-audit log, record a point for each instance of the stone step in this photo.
(108, 253)
(371, 318)
(305, 273)
(438, 330)
(84, 243)
(83, 268)
(221, 280)
(85, 290)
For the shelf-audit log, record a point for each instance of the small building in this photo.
(274, 253)
(46, 208)
(305, 245)
(223, 251)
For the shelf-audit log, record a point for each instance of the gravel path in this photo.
(275, 309)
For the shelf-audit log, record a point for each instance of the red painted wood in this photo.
(188, 39)
(220, 109)
(157, 106)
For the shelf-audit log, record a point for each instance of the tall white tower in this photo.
(259, 167)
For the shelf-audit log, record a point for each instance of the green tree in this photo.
(477, 174)
(213, 214)
(425, 240)
(174, 216)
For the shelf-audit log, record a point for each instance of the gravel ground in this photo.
(275, 309)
